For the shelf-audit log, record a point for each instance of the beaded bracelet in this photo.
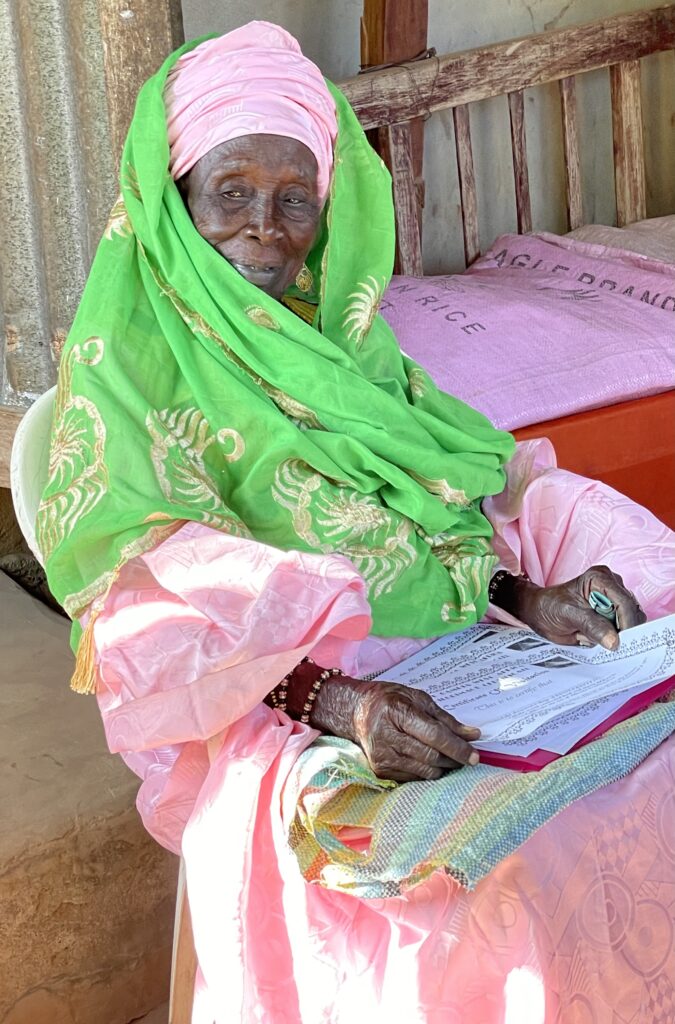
(495, 583)
(499, 579)
(314, 692)
(279, 695)
(279, 699)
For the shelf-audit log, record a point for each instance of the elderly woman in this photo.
(255, 501)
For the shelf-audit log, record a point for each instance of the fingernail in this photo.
(474, 758)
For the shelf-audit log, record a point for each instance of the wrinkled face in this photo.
(255, 200)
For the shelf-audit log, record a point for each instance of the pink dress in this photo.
(576, 927)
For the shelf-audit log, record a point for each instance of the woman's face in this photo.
(255, 200)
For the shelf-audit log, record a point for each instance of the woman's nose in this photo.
(262, 222)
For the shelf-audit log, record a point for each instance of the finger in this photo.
(600, 573)
(468, 732)
(592, 626)
(414, 721)
(410, 747)
(406, 769)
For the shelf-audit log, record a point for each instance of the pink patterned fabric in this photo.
(574, 928)
(254, 80)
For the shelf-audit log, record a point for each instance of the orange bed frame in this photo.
(630, 446)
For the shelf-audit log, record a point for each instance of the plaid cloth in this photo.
(465, 823)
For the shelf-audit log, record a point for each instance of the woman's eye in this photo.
(233, 193)
(294, 200)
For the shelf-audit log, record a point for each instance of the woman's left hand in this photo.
(563, 615)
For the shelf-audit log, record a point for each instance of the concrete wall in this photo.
(328, 31)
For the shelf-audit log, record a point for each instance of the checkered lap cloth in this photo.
(465, 823)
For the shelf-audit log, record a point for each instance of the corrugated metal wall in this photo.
(57, 180)
(69, 74)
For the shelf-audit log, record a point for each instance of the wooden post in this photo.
(568, 102)
(520, 173)
(393, 31)
(137, 36)
(629, 160)
(467, 183)
(395, 145)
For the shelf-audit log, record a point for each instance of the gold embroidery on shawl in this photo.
(77, 603)
(418, 381)
(180, 439)
(296, 411)
(85, 676)
(471, 575)
(294, 483)
(329, 224)
(362, 310)
(238, 446)
(449, 549)
(77, 476)
(118, 222)
(305, 279)
(373, 537)
(261, 317)
(442, 489)
(324, 265)
(130, 181)
(198, 325)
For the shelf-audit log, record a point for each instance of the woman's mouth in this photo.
(257, 274)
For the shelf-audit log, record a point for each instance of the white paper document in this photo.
(525, 693)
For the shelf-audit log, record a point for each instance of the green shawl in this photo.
(186, 393)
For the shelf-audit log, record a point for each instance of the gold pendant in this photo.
(304, 280)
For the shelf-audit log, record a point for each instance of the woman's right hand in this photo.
(402, 731)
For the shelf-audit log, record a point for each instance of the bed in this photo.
(623, 435)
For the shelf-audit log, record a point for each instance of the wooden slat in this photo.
(402, 93)
(10, 417)
(519, 150)
(396, 139)
(392, 32)
(629, 161)
(467, 183)
(568, 103)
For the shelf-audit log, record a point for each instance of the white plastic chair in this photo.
(29, 466)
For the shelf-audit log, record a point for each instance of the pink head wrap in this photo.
(252, 80)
